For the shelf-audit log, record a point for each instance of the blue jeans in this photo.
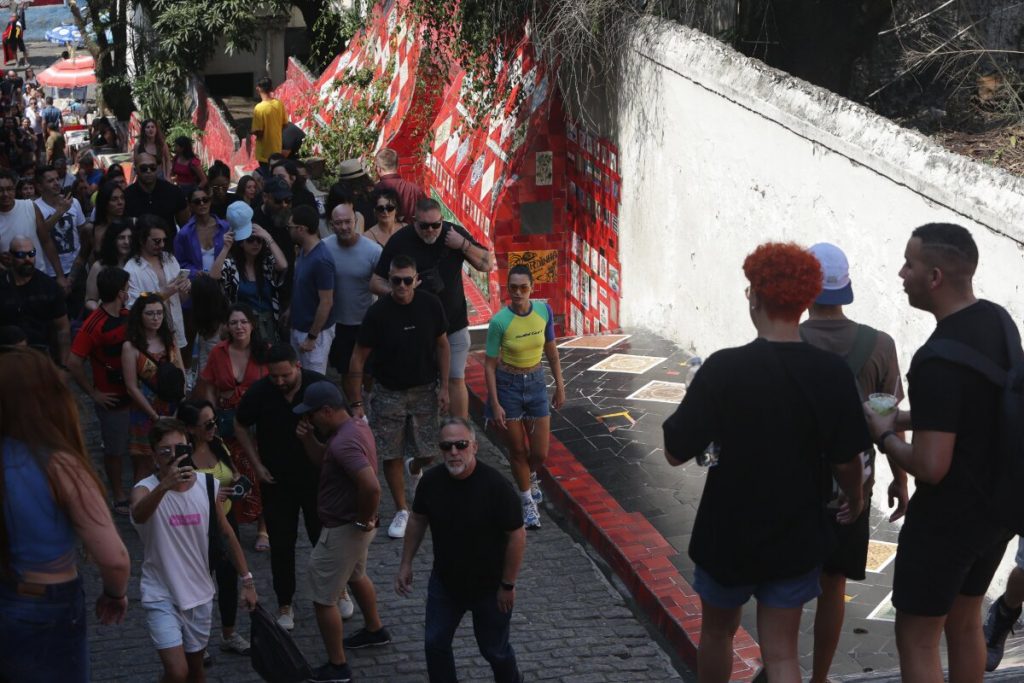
(43, 638)
(490, 626)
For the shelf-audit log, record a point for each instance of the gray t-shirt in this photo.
(353, 268)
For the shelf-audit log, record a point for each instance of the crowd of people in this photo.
(204, 325)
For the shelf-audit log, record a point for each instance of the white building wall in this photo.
(720, 153)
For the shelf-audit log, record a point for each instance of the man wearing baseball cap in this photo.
(273, 214)
(347, 503)
(871, 355)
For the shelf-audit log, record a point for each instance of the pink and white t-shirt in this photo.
(175, 565)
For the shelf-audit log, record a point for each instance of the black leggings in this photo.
(281, 504)
(227, 582)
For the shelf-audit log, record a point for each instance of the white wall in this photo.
(720, 153)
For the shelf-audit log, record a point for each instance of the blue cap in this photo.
(240, 219)
(318, 395)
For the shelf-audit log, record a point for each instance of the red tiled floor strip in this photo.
(631, 545)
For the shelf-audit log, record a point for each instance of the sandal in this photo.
(262, 543)
(122, 507)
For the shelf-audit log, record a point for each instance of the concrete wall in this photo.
(720, 153)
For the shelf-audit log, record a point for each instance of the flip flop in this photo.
(262, 543)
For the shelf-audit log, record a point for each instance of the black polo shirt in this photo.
(33, 306)
(165, 201)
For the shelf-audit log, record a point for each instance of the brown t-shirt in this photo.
(879, 374)
(349, 450)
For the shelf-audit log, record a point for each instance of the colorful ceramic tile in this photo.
(880, 554)
(601, 342)
(544, 170)
(624, 362)
(620, 420)
(662, 392)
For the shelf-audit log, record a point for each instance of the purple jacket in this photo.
(187, 249)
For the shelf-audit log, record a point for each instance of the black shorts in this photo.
(935, 565)
(850, 555)
(342, 347)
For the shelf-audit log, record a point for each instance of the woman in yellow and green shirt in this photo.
(516, 389)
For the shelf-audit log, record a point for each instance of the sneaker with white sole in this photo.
(531, 515)
(285, 618)
(535, 492)
(235, 643)
(346, 606)
(332, 673)
(364, 638)
(397, 528)
(413, 480)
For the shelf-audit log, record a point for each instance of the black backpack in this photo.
(273, 653)
(169, 381)
(1002, 492)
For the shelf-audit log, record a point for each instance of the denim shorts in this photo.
(458, 347)
(521, 395)
(43, 638)
(781, 594)
(170, 627)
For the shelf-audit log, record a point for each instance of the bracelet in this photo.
(114, 597)
(247, 577)
(881, 439)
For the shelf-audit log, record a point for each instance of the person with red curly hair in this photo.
(779, 416)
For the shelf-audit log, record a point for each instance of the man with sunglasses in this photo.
(405, 331)
(20, 217)
(476, 525)
(149, 194)
(440, 248)
(34, 302)
(272, 215)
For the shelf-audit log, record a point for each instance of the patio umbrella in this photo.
(69, 73)
(65, 34)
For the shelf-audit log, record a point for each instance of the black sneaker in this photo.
(998, 625)
(332, 673)
(364, 638)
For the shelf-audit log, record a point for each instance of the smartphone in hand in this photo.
(186, 450)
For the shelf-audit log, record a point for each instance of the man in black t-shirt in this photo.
(287, 479)
(34, 302)
(405, 330)
(476, 525)
(150, 194)
(950, 545)
(439, 249)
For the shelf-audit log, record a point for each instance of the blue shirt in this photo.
(314, 273)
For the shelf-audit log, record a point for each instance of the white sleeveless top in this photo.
(175, 565)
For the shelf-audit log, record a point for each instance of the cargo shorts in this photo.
(404, 421)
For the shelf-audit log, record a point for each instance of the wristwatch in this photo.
(881, 439)
(363, 526)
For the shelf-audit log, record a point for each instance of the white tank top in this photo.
(175, 565)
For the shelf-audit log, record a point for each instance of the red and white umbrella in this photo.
(69, 73)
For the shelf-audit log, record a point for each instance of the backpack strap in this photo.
(962, 354)
(213, 517)
(863, 346)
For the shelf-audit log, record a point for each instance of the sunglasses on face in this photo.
(253, 240)
(200, 200)
(460, 445)
(157, 240)
(146, 168)
(283, 200)
(384, 208)
(519, 288)
(24, 254)
(210, 425)
(153, 314)
(407, 281)
(429, 226)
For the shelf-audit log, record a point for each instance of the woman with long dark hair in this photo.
(218, 181)
(151, 141)
(209, 317)
(148, 342)
(774, 418)
(115, 250)
(50, 499)
(186, 169)
(252, 271)
(211, 456)
(200, 240)
(110, 208)
(246, 191)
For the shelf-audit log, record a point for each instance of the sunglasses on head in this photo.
(384, 208)
(429, 226)
(24, 254)
(200, 200)
(407, 280)
(146, 168)
(461, 445)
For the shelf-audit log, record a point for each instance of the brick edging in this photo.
(635, 550)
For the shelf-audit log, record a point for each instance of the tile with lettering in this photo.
(600, 342)
(623, 362)
(662, 392)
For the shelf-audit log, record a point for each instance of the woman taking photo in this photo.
(50, 499)
(211, 456)
(186, 169)
(252, 270)
(517, 392)
(776, 417)
(385, 210)
(234, 365)
(115, 250)
(148, 342)
(152, 141)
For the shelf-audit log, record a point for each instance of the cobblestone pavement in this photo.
(569, 625)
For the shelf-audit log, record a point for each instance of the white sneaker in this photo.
(535, 492)
(413, 480)
(346, 606)
(531, 516)
(397, 528)
(285, 618)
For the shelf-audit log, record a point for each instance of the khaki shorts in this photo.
(338, 557)
(405, 421)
